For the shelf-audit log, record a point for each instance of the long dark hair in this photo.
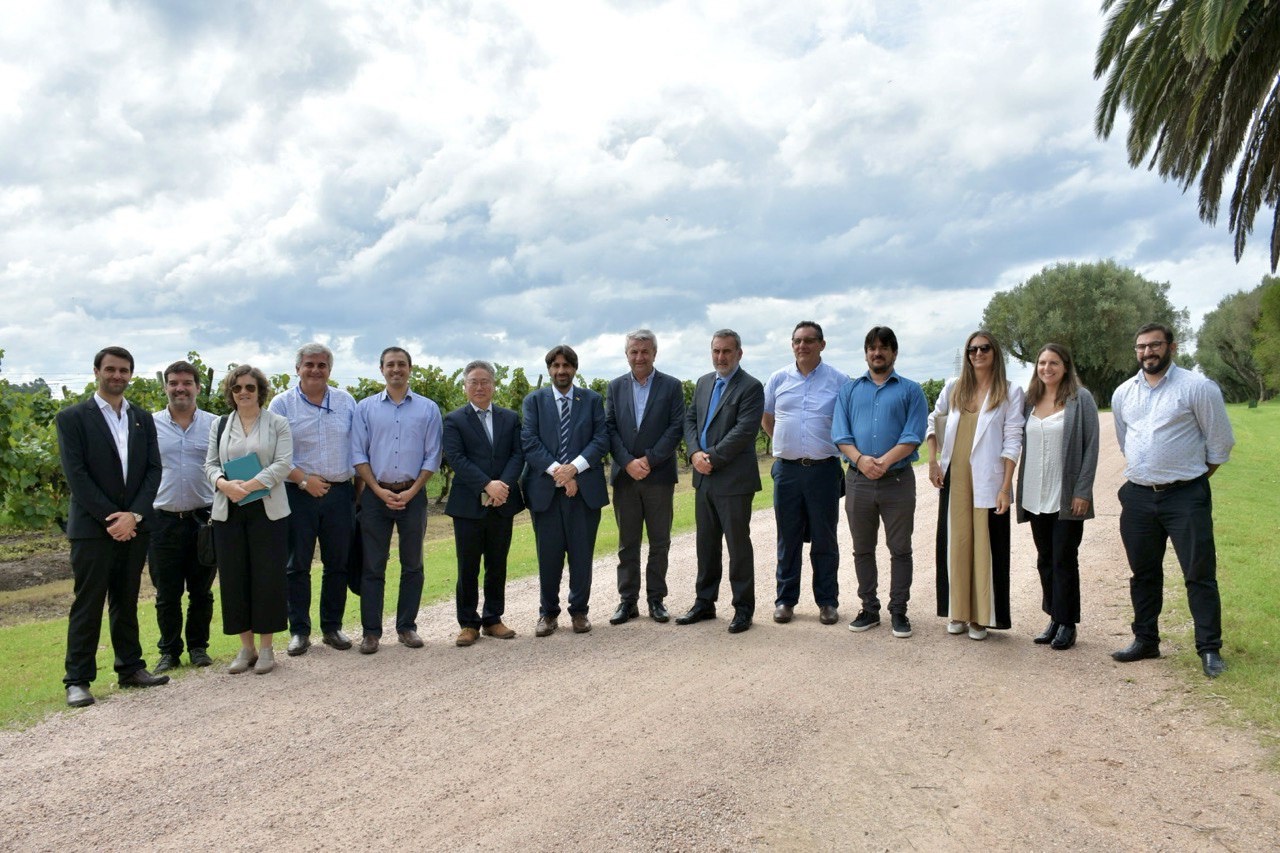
(1069, 385)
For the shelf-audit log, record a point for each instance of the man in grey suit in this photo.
(720, 432)
(644, 413)
(564, 439)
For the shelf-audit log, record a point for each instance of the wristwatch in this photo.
(302, 484)
(137, 518)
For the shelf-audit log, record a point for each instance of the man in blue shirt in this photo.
(880, 420)
(182, 505)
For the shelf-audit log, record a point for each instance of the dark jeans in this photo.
(1058, 562)
(1183, 516)
(327, 520)
(892, 498)
(110, 572)
(806, 507)
(376, 524)
(567, 529)
(174, 567)
(640, 506)
(252, 550)
(476, 538)
(725, 519)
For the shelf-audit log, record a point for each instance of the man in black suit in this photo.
(564, 438)
(644, 413)
(720, 431)
(482, 446)
(111, 459)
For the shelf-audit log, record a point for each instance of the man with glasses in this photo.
(1173, 430)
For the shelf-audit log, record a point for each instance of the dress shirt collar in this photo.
(323, 404)
(106, 409)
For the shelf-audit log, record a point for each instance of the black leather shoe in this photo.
(697, 613)
(782, 613)
(741, 622)
(1046, 636)
(298, 645)
(166, 663)
(337, 640)
(1137, 650)
(828, 614)
(1214, 665)
(658, 612)
(626, 610)
(142, 678)
(200, 657)
(1065, 638)
(78, 696)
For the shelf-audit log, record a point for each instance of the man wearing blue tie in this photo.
(564, 438)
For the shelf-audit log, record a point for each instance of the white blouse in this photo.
(1042, 478)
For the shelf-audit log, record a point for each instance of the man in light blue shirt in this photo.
(321, 496)
(1173, 430)
(879, 422)
(798, 403)
(182, 505)
(396, 441)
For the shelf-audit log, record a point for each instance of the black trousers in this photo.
(806, 508)
(1184, 516)
(642, 507)
(1058, 562)
(174, 567)
(110, 572)
(727, 519)
(252, 550)
(377, 523)
(475, 539)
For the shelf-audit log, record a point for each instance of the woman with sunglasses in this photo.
(1055, 485)
(250, 454)
(980, 417)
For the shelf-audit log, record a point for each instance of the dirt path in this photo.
(648, 736)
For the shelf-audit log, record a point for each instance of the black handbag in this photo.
(206, 553)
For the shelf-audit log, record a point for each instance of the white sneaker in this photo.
(977, 633)
(954, 627)
(243, 660)
(266, 661)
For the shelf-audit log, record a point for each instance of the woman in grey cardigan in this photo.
(1055, 485)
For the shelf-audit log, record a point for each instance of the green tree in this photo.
(1224, 346)
(1201, 81)
(932, 389)
(1092, 309)
(33, 492)
(1266, 339)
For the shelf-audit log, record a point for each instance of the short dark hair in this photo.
(260, 378)
(382, 357)
(1156, 327)
(118, 352)
(565, 351)
(882, 335)
(182, 367)
(804, 323)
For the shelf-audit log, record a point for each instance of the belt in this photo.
(186, 513)
(1168, 487)
(808, 462)
(396, 487)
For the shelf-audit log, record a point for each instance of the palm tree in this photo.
(1201, 79)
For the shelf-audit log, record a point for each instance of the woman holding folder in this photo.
(250, 454)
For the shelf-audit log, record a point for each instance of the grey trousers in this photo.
(891, 499)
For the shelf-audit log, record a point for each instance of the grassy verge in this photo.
(32, 666)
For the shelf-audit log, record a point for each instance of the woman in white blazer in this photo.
(980, 416)
(251, 536)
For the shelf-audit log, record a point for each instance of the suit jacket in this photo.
(732, 436)
(588, 438)
(475, 461)
(655, 438)
(91, 464)
(998, 437)
(275, 456)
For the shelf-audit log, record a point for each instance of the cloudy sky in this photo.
(488, 178)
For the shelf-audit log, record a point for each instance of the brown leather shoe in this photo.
(369, 645)
(581, 624)
(411, 639)
(546, 626)
(502, 632)
(467, 637)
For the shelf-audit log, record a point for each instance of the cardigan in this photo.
(1079, 454)
(275, 455)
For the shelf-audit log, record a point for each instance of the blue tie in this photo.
(564, 430)
(711, 409)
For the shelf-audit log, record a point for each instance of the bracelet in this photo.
(1006, 493)
(859, 459)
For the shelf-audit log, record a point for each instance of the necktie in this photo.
(483, 414)
(711, 409)
(563, 456)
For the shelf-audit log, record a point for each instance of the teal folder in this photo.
(246, 468)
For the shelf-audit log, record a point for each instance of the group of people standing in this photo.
(272, 481)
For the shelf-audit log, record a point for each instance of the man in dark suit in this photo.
(111, 459)
(720, 431)
(482, 445)
(564, 438)
(644, 413)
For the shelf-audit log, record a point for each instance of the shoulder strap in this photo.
(222, 426)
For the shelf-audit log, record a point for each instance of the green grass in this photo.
(32, 666)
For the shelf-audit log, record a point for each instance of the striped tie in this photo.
(564, 430)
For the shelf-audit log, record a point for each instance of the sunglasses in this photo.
(979, 348)
(236, 389)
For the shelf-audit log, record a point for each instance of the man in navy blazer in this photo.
(720, 431)
(564, 439)
(482, 446)
(111, 459)
(644, 413)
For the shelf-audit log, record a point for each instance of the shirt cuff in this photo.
(581, 464)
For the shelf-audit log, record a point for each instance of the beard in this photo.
(1159, 366)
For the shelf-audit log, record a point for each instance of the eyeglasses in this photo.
(1154, 345)
(236, 389)
(979, 348)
